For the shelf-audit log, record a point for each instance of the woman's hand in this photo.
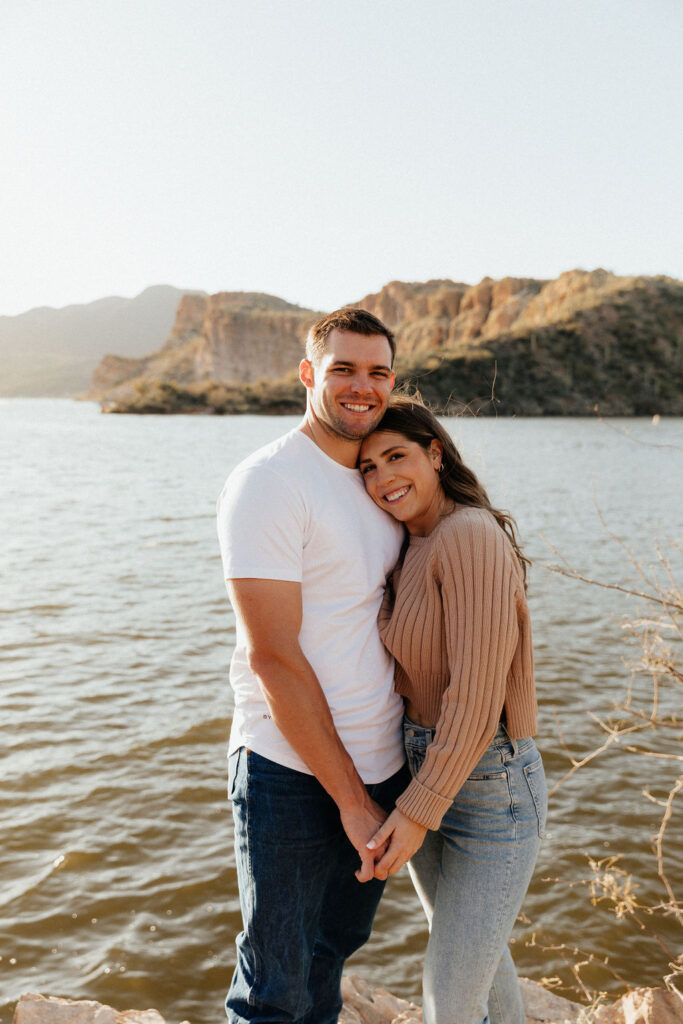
(405, 838)
(359, 823)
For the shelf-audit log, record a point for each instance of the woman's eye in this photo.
(366, 469)
(395, 455)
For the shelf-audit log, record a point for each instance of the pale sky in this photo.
(317, 150)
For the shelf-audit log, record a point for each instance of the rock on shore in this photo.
(365, 1005)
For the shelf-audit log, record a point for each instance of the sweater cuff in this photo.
(520, 707)
(422, 805)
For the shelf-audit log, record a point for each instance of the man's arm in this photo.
(271, 611)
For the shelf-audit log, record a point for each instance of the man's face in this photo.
(350, 386)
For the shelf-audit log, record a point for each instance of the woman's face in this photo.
(403, 478)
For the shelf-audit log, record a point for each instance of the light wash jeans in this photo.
(471, 877)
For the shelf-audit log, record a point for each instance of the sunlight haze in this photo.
(318, 151)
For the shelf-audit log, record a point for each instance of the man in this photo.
(315, 751)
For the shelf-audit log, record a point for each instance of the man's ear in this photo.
(306, 373)
(392, 380)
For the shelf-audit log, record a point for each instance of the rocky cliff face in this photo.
(443, 314)
(230, 336)
(583, 341)
(560, 347)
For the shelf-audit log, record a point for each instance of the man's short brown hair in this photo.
(359, 321)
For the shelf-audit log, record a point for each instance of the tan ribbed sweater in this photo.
(456, 620)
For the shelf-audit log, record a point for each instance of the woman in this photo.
(456, 620)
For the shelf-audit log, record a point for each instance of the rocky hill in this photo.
(231, 336)
(53, 352)
(517, 346)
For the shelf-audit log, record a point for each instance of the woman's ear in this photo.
(436, 452)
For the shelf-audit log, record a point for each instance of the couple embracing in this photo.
(384, 697)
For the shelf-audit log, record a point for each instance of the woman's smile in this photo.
(393, 496)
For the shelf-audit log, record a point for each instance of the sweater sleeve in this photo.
(476, 572)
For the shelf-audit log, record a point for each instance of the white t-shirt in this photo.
(289, 512)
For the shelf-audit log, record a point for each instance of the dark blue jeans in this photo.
(303, 910)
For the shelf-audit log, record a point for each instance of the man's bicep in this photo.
(270, 610)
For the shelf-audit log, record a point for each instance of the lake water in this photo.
(118, 877)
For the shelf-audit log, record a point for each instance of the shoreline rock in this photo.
(366, 1005)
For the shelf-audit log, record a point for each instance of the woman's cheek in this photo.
(369, 486)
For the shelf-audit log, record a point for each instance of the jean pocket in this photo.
(415, 755)
(416, 744)
(535, 778)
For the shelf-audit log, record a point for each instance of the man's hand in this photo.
(360, 824)
(405, 839)
(271, 614)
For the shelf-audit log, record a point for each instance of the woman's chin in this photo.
(395, 513)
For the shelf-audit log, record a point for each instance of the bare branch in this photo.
(569, 954)
(634, 440)
(654, 753)
(493, 382)
(642, 715)
(572, 574)
(659, 845)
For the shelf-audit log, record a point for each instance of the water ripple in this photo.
(117, 863)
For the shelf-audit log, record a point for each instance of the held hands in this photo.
(400, 834)
(360, 824)
(405, 838)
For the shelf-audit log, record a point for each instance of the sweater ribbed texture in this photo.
(456, 620)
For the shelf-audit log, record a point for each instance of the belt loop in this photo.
(513, 743)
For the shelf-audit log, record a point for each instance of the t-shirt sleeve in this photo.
(479, 587)
(261, 526)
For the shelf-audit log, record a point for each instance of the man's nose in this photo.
(361, 383)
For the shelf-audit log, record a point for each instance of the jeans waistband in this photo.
(411, 730)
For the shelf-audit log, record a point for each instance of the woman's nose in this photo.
(385, 473)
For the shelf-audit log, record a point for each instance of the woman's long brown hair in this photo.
(409, 416)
